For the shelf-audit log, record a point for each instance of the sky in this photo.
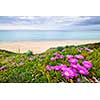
(67, 23)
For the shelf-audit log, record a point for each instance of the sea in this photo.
(45, 35)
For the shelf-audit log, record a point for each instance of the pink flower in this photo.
(57, 68)
(56, 54)
(48, 67)
(53, 58)
(61, 56)
(75, 72)
(56, 57)
(82, 70)
(3, 68)
(69, 56)
(79, 57)
(30, 59)
(87, 64)
(68, 73)
(80, 49)
(63, 67)
(14, 63)
(21, 64)
(73, 61)
(87, 49)
(63, 50)
(74, 65)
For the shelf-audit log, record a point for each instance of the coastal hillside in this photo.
(69, 64)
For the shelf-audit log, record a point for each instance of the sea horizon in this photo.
(47, 35)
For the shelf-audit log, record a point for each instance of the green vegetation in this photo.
(31, 68)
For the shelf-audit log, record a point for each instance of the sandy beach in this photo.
(40, 46)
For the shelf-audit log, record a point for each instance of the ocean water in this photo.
(30, 35)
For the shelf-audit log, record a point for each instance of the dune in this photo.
(40, 46)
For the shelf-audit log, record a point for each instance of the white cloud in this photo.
(44, 22)
(31, 27)
(51, 20)
(26, 17)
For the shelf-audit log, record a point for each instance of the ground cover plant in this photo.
(69, 64)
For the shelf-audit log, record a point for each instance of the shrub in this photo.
(29, 53)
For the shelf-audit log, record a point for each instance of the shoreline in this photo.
(40, 46)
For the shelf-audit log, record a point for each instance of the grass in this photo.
(31, 68)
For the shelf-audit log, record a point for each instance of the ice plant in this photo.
(74, 69)
(61, 57)
(80, 50)
(79, 57)
(63, 67)
(56, 54)
(53, 58)
(63, 50)
(69, 56)
(82, 70)
(75, 66)
(75, 72)
(21, 64)
(73, 61)
(87, 49)
(68, 73)
(3, 68)
(48, 67)
(56, 57)
(14, 63)
(57, 68)
(87, 64)
(30, 59)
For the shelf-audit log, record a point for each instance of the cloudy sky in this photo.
(68, 23)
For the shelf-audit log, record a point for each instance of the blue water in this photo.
(19, 35)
